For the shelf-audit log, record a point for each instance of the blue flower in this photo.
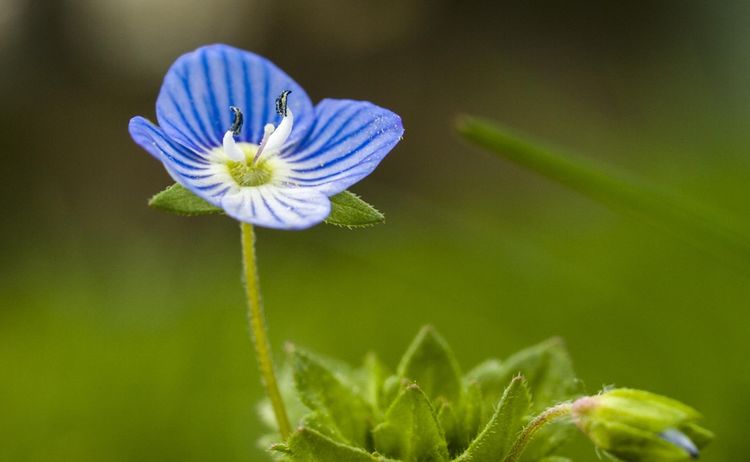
(240, 133)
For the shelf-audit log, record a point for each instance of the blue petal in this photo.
(347, 142)
(276, 206)
(184, 165)
(271, 205)
(193, 104)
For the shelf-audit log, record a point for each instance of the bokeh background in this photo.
(122, 330)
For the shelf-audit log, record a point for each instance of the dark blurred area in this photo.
(122, 330)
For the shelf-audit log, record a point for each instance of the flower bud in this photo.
(638, 426)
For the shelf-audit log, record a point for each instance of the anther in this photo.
(281, 106)
(237, 120)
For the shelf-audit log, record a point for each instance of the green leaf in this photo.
(430, 363)
(376, 374)
(322, 423)
(696, 225)
(332, 397)
(699, 435)
(547, 368)
(450, 422)
(348, 210)
(472, 412)
(411, 431)
(461, 422)
(551, 379)
(308, 445)
(392, 386)
(496, 438)
(548, 440)
(179, 200)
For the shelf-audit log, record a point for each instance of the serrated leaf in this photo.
(498, 435)
(349, 210)
(179, 200)
(430, 363)
(547, 368)
(308, 445)
(411, 432)
(551, 379)
(336, 402)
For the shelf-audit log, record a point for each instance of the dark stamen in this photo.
(237, 120)
(281, 103)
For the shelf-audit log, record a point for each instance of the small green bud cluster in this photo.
(638, 426)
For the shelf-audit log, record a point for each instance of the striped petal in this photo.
(187, 167)
(193, 104)
(347, 142)
(274, 206)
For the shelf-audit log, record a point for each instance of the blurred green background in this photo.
(122, 330)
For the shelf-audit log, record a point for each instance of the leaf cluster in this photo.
(425, 410)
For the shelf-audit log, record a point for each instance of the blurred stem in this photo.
(258, 330)
(532, 427)
(683, 218)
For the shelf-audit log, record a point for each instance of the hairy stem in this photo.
(258, 330)
(532, 427)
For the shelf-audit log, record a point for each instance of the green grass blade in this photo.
(613, 188)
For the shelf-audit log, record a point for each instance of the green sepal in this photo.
(347, 209)
(633, 425)
(179, 200)
(411, 431)
(635, 445)
(332, 397)
(498, 435)
(308, 445)
(430, 363)
(699, 435)
(350, 211)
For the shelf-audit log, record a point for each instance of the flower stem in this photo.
(258, 330)
(532, 427)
